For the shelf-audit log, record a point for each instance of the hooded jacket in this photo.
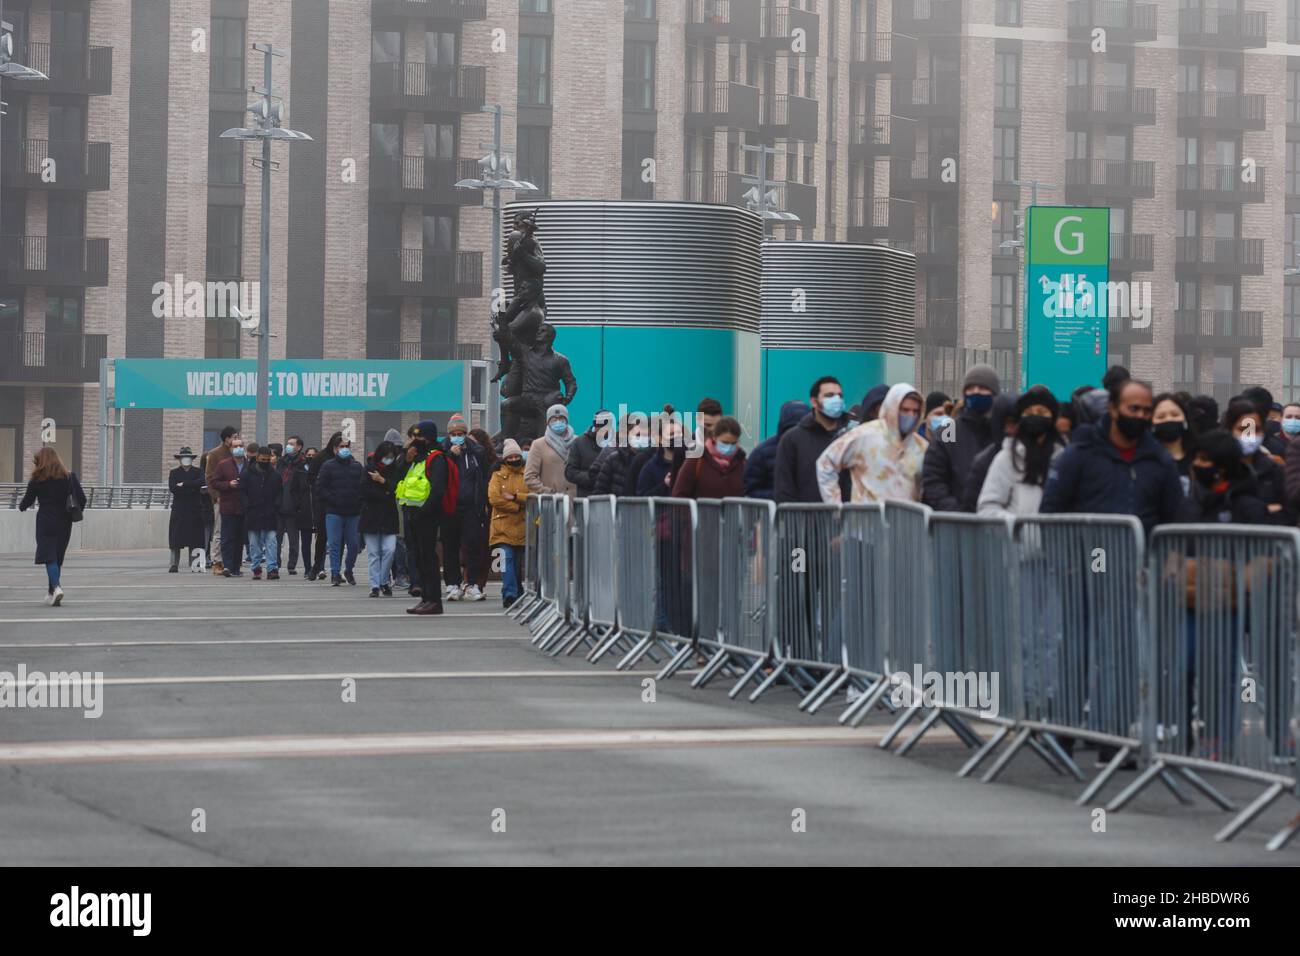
(948, 463)
(508, 514)
(760, 471)
(796, 460)
(1090, 477)
(1004, 407)
(882, 463)
(1239, 503)
(610, 470)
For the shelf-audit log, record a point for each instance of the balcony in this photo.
(1206, 255)
(417, 272)
(1198, 112)
(871, 53)
(724, 20)
(882, 221)
(936, 245)
(789, 117)
(712, 104)
(1091, 179)
(1217, 329)
(1115, 105)
(424, 351)
(1120, 331)
(936, 322)
(800, 199)
(421, 180)
(922, 174)
(714, 186)
(873, 136)
(928, 16)
(420, 88)
(53, 260)
(1125, 22)
(779, 25)
(76, 164)
(937, 97)
(462, 10)
(1223, 30)
(71, 68)
(1132, 252)
(60, 358)
(1219, 184)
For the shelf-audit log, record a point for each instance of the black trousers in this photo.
(232, 541)
(463, 527)
(288, 524)
(411, 531)
(318, 559)
(426, 529)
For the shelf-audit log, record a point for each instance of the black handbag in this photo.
(73, 508)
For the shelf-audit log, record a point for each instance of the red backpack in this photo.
(452, 493)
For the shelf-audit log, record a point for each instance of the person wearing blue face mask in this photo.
(720, 471)
(226, 481)
(338, 487)
(795, 478)
(1246, 423)
(545, 471)
(468, 523)
(952, 450)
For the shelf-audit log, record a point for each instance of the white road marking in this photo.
(359, 745)
(54, 618)
(376, 675)
(269, 640)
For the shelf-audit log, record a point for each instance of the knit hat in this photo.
(393, 435)
(557, 411)
(510, 447)
(1038, 395)
(934, 400)
(985, 376)
(457, 421)
(874, 398)
(424, 431)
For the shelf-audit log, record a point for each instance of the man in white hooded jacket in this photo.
(883, 457)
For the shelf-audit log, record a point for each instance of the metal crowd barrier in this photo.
(529, 600)
(809, 590)
(553, 567)
(864, 562)
(102, 496)
(675, 574)
(634, 584)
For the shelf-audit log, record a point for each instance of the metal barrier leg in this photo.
(1257, 806)
(828, 686)
(1171, 785)
(711, 668)
(1136, 787)
(586, 637)
(978, 757)
(1201, 784)
(638, 651)
(857, 713)
(1045, 755)
(961, 729)
(1103, 778)
(1059, 752)
(894, 731)
(777, 673)
(1000, 764)
(675, 664)
(603, 648)
(749, 675)
(1285, 834)
(926, 724)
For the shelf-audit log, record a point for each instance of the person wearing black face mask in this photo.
(951, 455)
(1225, 488)
(1170, 427)
(1014, 484)
(1116, 466)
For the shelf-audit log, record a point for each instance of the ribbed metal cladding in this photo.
(685, 265)
(855, 297)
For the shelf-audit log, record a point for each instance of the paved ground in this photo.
(226, 695)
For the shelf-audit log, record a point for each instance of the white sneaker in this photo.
(453, 593)
(49, 600)
(472, 593)
(57, 597)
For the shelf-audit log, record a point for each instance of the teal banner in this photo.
(303, 384)
(1067, 273)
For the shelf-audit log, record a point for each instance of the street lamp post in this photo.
(269, 116)
(496, 169)
(758, 197)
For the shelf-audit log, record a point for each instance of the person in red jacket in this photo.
(720, 471)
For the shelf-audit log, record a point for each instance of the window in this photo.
(437, 326)
(1006, 81)
(1185, 369)
(221, 338)
(1291, 379)
(440, 140)
(534, 71)
(1006, 141)
(1008, 13)
(1291, 256)
(1076, 144)
(828, 191)
(533, 151)
(62, 315)
(1003, 317)
(386, 46)
(639, 9)
(535, 6)
(1189, 77)
(225, 156)
(1292, 168)
(638, 147)
(1187, 296)
(227, 57)
(1293, 21)
(1186, 224)
(385, 140)
(1004, 228)
(638, 75)
(439, 232)
(1224, 369)
(440, 50)
(1291, 311)
(11, 311)
(225, 237)
(1293, 96)
(1077, 71)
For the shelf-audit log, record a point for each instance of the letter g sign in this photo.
(1077, 249)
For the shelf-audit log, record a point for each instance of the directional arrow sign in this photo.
(1067, 268)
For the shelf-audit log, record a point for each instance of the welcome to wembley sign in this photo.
(300, 384)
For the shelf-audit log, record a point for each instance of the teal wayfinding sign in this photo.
(1067, 275)
(343, 385)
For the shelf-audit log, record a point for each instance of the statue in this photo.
(535, 375)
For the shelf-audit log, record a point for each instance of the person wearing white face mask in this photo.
(1244, 421)
(185, 527)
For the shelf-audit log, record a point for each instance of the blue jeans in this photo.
(514, 556)
(52, 574)
(380, 549)
(341, 530)
(264, 550)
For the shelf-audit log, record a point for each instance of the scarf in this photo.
(722, 461)
(561, 443)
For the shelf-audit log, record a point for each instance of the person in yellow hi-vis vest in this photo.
(412, 492)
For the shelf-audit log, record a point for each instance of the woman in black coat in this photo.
(316, 572)
(51, 485)
(379, 523)
(185, 529)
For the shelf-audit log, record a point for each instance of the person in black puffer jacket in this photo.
(611, 468)
(261, 491)
(338, 489)
(583, 451)
(1002, 424)
(313, 466)
(760, 469)
(379, 522)
(948, 463)
(295, 504)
